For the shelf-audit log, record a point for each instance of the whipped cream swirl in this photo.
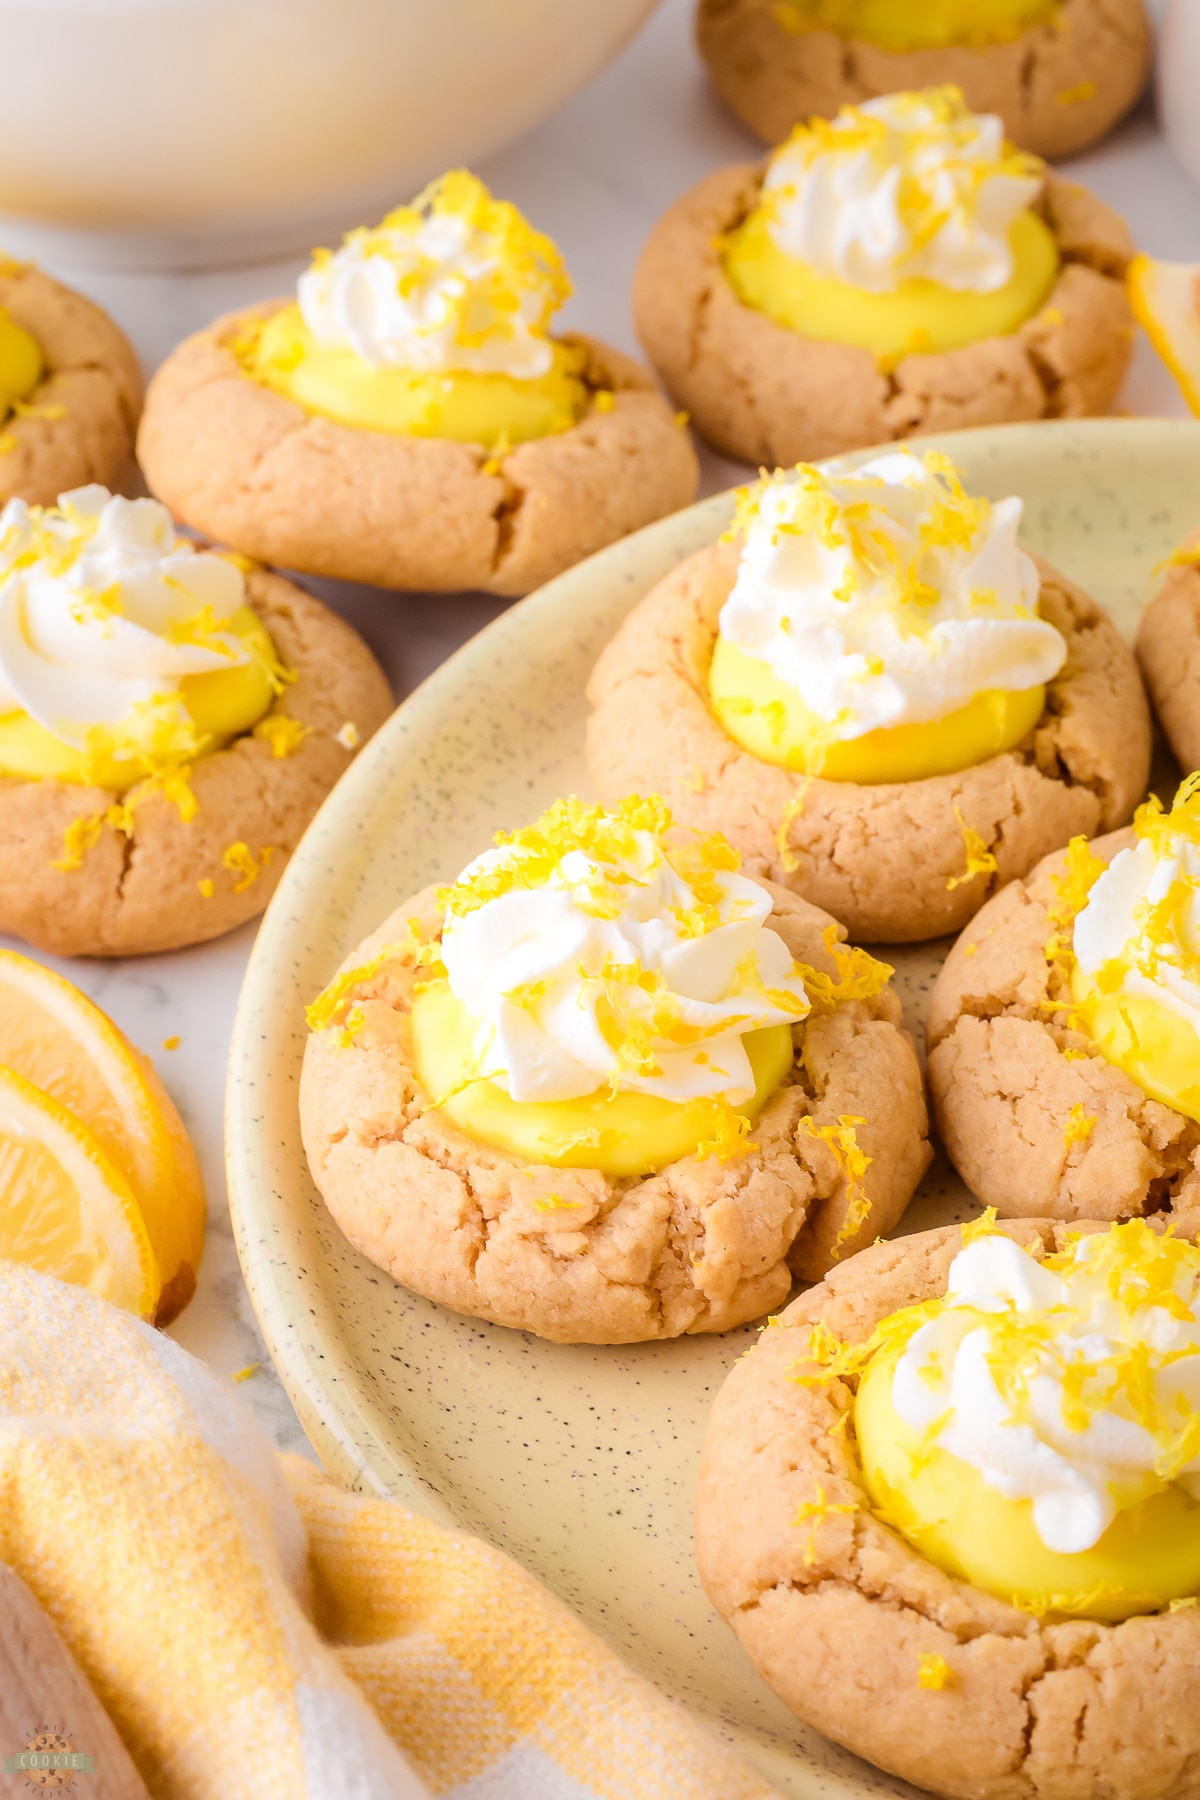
(592, 952)
(455, 282)
(908, 186)
(886, 595)
(104, 610)
(1075, 1385)
(1141, 922)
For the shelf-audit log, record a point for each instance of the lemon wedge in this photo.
(55, 1038)
(66, 1209)
(1165, 297)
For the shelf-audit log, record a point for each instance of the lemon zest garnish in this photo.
(240, 860)
(173, 1042)
(347, 735)
(246, 1374)
(983, 1226)
(1180, 1605)
(328, 1007)
(1079, 1125)
(80, 836)
(814, 1513)
(857, 975)
(730, 1134)
(284, 734)
(980, 860)
(791, 812)
(934, 1672)
(1071, 96)
(852, 1164)
(207, 886)
(83, 833)
(555, 1203)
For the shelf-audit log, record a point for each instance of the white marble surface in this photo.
(595, 177)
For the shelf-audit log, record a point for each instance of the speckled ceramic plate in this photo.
(579, 1461)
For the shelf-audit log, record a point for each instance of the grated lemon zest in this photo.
(1079, 1125)
(934, 1672)
(284, 734)
(852, 1164)
(241, 861)
(790, 813)
(814, 1513)
(980, 860)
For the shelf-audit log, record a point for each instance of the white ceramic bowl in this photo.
(168, 133)
(1177, 79)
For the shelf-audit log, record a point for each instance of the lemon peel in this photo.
(1079, 1126)
(730, 1135)
(934, 1672)
(814, 1513)
(283, 734)
(980, 860)
(331, 1003)
(984, 1226)
(791, 812)
(241, 861)
(857, 974)
(852, 1164)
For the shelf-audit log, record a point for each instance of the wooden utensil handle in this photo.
(48, 1709)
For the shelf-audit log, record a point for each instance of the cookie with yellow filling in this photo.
(170, 719)
(410, 419)
(906, 1605)
(1168, 652)
(70, 390)
(1064, 1053)
(885, 703)
(1060, 73)
(897, 270)
(605, 1088)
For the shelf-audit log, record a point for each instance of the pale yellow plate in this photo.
(581, 1462)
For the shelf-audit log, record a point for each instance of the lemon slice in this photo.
(1165, 297)
(66, 1209)
(53, 1035)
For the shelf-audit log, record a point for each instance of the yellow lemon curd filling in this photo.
(21, 365)
(432, 324)
(875, 567)
(618, 1133)
(210, 711)
(767, 717)
(1157, 1044)
(906, 25)
(632, 879)
(1149, 1555)
(929, 267)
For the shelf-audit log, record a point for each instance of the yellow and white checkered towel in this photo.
(255, 1631)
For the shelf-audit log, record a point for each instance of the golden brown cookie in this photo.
(889, 861)
(1168, 652)
(252, 468)
(1058, 86)
(701, 1246)
(836, 1612)
(172, 881)
(771, 396)
(79, 423)
(1036, 1121)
